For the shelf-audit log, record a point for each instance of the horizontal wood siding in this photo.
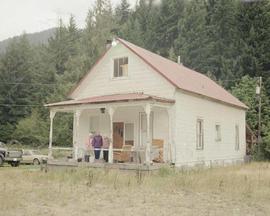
(141, 78)
(189, 108)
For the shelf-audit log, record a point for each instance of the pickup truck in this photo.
(11, 157)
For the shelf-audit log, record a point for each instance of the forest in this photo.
(228, 40)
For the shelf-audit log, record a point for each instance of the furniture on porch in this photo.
(124, 154)
(113, 111)
(158, 144)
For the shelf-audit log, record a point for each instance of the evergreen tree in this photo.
(122, 12)
(16, 97)
(171, 12)
(222, 33)
(245, 91)
(253, 21)
(224, 39)
(99, 28)
(192, 41)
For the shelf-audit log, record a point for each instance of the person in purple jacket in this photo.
(97, 143)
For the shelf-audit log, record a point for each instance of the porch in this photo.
(139, 126)
(56, 164)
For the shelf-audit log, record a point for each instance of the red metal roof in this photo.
(183, 77)
(111, 99)
(180, 76)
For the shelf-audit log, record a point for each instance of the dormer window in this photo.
(120, 67)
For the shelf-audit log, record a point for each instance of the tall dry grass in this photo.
(244, 183)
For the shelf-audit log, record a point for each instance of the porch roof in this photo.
(111, 99)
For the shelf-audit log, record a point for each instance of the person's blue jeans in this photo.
(97, 154)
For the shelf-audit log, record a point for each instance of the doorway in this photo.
(118, 135)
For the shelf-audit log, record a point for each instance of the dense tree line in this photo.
(228, 40)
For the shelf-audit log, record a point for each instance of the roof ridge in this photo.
(176, 75)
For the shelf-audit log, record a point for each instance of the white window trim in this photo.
(218, 139)
(199, 148)
(237, 138)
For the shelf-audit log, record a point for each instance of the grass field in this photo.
(237, 190)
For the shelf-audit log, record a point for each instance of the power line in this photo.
(21, 83)
(18, 105)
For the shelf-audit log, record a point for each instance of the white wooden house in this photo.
(135, 96)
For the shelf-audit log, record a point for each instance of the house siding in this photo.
(188, 109)
(141, 78)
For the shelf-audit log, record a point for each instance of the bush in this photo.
(32, 131)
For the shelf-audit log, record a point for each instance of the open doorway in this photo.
(118, 135)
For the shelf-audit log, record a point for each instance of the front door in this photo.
(118, 135)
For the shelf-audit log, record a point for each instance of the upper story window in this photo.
(120, 67)
(200, 135)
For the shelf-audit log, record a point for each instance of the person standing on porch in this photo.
(97, 143)
(88, 147)
(106, 145)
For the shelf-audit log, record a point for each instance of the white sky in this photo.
(18, 16)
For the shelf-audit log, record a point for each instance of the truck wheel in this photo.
(1, 160)
(36, 162)
(15, 163)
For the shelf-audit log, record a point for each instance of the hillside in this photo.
(34, 38)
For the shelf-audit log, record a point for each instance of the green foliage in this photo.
(245, 91)
(227, 40)
(32, 130)
(122, 12)
(192, 42)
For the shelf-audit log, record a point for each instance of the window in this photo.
(120, 67)
(129, 134)
(200, 137)
(236, 137)
(26, 153)
(218, 132)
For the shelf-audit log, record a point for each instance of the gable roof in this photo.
(182, 77)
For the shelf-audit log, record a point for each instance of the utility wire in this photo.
(21, 83)
(17, 105)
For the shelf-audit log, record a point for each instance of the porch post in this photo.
(52, 114)
(111, 112)
(77, 115)
(148, 142)
(169, 148)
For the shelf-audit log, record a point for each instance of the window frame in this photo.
(218, 133)
(237, 137)
(113, 68)
(200, 134)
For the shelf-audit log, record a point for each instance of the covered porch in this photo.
(138, 126)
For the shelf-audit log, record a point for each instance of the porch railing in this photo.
(119, 155)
